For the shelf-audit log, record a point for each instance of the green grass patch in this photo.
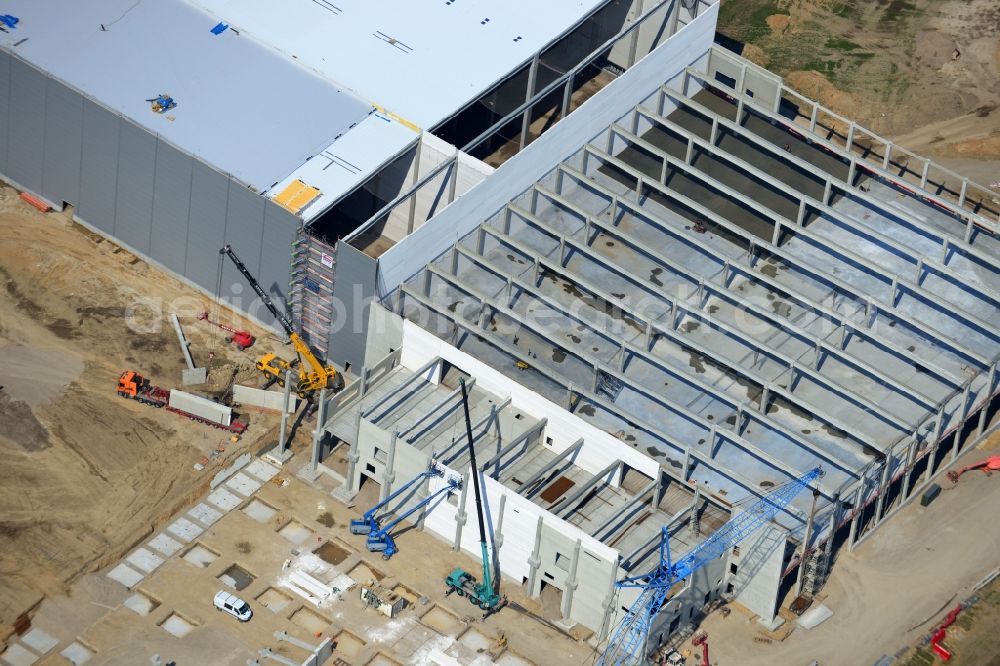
(841, 44)
(747, 19)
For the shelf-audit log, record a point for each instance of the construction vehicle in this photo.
(318, 375)
(369, 522)
(161, 103)
(701, 640)
(242, 339)
(380, 538)
(989, 466)
(627, 645)
(133, 386)
(460, 581)
(381, 541)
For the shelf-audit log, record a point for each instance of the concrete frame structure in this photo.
(719, 277)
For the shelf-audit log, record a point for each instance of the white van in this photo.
(233, 605)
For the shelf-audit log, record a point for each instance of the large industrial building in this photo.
(671, 282)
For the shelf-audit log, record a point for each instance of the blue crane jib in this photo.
(627, 645)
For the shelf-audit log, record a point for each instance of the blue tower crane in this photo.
(627, 645)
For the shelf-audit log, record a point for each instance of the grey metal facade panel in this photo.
(26, 130)
(136, 172)
(244, 228)
(5, 59)
(63, 144)
(280, 227)
(99, 167)
(206, 226)
(354, 286)
(171, 202)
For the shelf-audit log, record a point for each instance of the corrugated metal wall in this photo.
(139, 189)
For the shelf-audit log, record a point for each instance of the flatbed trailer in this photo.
(133, 386)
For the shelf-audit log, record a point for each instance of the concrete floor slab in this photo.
(185, 529)
(39, 641)
(204, 514)
(243, 484)
(76, 654)
(224, 499)
(200, 556)
(141, 604)
(261, 469)
(177, 625)
(259, 511)
(125, 575)
(144, 560)
(164, 544)
(18, 655)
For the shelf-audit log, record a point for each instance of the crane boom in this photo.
(318, 376)
(627, 645)
(241, 267)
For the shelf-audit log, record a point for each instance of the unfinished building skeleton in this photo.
(692, 288)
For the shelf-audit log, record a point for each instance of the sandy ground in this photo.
(85, 473)
(925, 73)
(890, 590)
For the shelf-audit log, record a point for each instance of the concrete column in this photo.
(883, 487)
(858, 498)
(923, 174)
(805, 543)
(498, 533)
(888, 155)
(654, 499)
(528, 93)
(963, 192)
(353, 475)
(461, 516)
(675, 16)
(535, 560)
(981, 426)
(813, 117)
(283, 436)
(389, 475)
(695, 522)
(911, 455)
(571, 583)
(608, 604)
(964, 411)
(318, 431)
(936, 438)
(411, 216)
(828, 554)
(850, 143)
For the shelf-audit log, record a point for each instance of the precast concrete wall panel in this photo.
(353, 288)
(171, 204)
(63, 140)
(207, 226)
(5, 60)
(27, 118)
(244, 225)
(687, 47)
(99, 167)
(136, 173)
(199, 406)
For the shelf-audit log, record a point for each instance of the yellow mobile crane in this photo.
(317, 376)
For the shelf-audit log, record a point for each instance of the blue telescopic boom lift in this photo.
(381, 541)
(627, 645)
(369, 522)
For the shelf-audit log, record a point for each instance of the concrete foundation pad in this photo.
(224, 499)
(190, 377)
(260, 511)
(278, 456)
(185, 529)
(144, 560)
(76, 654)
(17, 655)
(243, 484)
(200, 556)
(262, 470)
(164, 544)
(140, 604)
(773, 625)
(204, 514)
(125, 575)
(177, 626)
(39, 641)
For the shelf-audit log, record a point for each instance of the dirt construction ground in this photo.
(87, 474)
(925, 73)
